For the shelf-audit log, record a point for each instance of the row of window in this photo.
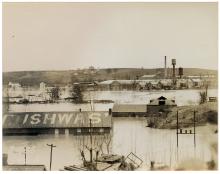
(101, 130)
(81, 130)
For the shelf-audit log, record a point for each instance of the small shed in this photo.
(160, 105)
(126, 110)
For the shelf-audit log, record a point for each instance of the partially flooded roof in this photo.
(129, 108)
(56, 119)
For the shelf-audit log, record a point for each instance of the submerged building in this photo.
(129, 110)
(76, 123)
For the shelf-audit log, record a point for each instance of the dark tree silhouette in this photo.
(54, 93)
(76, 94)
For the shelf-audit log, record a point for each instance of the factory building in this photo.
(76, 123)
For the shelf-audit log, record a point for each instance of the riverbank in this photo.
(205, 113)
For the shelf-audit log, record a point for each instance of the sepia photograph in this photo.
(110, 86)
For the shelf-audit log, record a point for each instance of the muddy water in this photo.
(128, 135)
(182, 97)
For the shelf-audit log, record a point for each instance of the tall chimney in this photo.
(165, 67)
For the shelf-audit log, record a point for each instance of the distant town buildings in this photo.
(18, 93)
(14, 86)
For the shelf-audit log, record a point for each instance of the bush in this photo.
(212, 117)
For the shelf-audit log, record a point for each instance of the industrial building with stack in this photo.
(171, 78)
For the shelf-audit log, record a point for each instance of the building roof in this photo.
(167, 82)
(148, 76)
(155, 102)
(24, 168)
(107, 82)
(56, 119)
(129, 82)
(182, 80)
(196, 80)
(129, 108)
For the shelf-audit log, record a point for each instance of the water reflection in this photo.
(129, 135)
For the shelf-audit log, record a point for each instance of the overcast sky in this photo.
(61, 36)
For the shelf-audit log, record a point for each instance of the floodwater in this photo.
(128, 135)
(182, 97)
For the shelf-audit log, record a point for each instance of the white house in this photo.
(42, 86)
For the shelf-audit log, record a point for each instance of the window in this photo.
(161, 102)
(101, 130)
(78, 130)
(90, 129)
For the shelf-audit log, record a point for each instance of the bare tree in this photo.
(204, 94)
(107, 141)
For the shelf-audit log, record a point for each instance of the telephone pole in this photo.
(51, 153)
(177, 127)
(194, 125)
(25, 156)
(188, 131)
(90, 125)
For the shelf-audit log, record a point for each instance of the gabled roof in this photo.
(129, 108)
(167, 102)
(196, 80)
(155, 102)
(162, 98)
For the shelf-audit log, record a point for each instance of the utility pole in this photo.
(186, 132)
(51, 152)
(194, 125)
(177, 127)
(90, 131)
(25, 157)
(177, 140)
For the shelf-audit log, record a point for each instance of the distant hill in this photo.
(33, 78)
